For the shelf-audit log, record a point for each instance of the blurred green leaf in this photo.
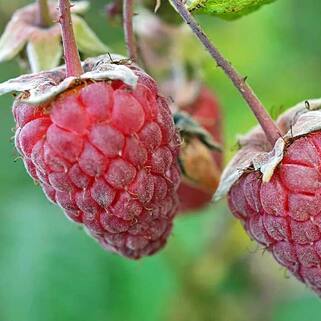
(300, 309)
(225, 8)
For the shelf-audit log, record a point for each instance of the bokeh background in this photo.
(210, 271)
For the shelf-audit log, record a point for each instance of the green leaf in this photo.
(87, 41)
(228, 9)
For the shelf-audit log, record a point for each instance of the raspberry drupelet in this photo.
(106, 154)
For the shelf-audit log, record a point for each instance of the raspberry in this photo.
(284, 214)
(106, 155)
(205, 109)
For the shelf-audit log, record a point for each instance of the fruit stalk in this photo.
(72, 59)
(128, 29)
(270, 129)
(44, 19)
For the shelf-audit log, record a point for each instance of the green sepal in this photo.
(44, 53)
(86, 39)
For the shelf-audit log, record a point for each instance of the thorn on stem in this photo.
(110, 57)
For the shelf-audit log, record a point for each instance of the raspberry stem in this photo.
(44, 19)
(72, 59)
(269, 127)
(128, 29)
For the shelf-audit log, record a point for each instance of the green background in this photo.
(50, 270)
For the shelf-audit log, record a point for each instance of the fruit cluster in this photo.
(100, 139)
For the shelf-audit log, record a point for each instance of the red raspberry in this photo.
(107, 156)
(284, 214)
(205, 109)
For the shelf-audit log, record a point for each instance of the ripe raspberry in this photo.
(205, 109)
(106, 155)
(284, 214)
(277, 194)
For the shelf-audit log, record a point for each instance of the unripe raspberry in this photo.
(106, 154)
(282, 211)
(206, 111)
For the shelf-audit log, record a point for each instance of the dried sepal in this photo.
(190, 128)
(255, 152)
(44, 86)
(44, 44)
(195, 158)
(15, 36)
(198, 165)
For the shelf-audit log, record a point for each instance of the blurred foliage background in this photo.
(210, 271)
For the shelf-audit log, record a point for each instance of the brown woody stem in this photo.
(72, 59)
(128, 29)
(44, 18)
(271, 130)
